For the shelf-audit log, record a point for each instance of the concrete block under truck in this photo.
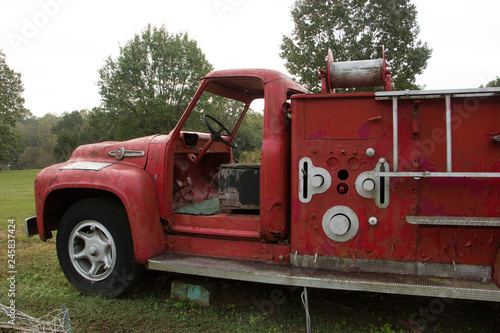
(383, 191)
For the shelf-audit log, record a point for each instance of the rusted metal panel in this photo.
(133, 186)
(228, 248)
(237, 225)
(446, 165)
(344, 150)
(132, 152)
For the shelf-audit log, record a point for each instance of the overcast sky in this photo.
(59, 45)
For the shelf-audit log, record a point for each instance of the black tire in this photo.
(95, 248)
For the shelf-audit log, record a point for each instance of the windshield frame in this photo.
(239, 88)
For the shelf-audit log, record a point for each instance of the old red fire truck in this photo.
(386, 191)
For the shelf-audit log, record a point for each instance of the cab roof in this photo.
(248, 84)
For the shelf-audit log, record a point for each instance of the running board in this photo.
(255, 271)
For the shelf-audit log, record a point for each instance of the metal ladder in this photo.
(448, 95)
(423, 94)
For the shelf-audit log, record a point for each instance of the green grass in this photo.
(16, 195)
(237, 307)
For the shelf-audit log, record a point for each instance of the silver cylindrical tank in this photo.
(359, 73)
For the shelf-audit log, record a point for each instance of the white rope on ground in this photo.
(55, 321)
(305, 302)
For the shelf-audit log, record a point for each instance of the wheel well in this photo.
(58, 202)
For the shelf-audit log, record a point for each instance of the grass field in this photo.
(237, 307)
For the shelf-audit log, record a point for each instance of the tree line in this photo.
(145, 89)
(51, 139)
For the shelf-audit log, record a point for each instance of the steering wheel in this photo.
(216, 135)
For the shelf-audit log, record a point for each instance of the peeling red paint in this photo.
(364, 131)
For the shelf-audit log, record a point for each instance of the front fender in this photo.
(133, 186)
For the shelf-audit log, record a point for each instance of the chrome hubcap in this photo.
(92, 250)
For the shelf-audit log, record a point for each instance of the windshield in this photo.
(225, 110)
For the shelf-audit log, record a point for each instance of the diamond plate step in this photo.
(255, 271)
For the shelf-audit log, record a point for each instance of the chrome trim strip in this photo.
(86, 165)
(455, 221)
(121, 152)
(395, 148)
(421, 93)
(448, 133)
(427, 174)
(450, 270)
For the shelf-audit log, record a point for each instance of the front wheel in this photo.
(95, 248)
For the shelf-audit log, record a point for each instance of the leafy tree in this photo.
(147, 87)
(78, 128)
(249, 136)
(227, 112)
(11, 109)
(71, 132)
(355, 30)
(38, 142)
(494, 83)
(252, 156)
(99, 128)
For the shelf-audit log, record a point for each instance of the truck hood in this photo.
(133, 152)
